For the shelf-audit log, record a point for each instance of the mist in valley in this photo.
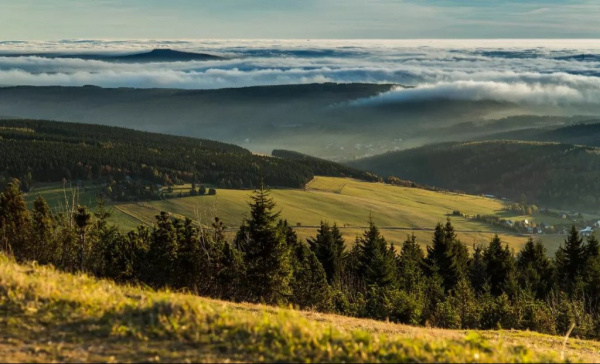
(339, 101)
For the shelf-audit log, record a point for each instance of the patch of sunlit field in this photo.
(397, 211)
(62, 200)
(62, 197)
(51, 316)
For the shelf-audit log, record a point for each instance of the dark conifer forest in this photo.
(47, 151)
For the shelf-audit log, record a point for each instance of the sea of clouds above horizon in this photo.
(531, 72)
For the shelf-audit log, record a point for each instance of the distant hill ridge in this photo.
(587, 133)
(155, 55)
(166, 54)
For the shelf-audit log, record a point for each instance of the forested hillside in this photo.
(323, 167)
(587, 133)
(43, 151)
(550, 174)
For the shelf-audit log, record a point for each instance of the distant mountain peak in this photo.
(167, 54)
(154, 55)
(164, 51)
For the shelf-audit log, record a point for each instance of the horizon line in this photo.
(288, 39)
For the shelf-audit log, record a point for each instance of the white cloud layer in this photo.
(536, 94)
(522, 72)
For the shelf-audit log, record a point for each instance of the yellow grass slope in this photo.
(398, 211)
(51, 316)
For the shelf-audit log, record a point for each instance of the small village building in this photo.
(587, 231)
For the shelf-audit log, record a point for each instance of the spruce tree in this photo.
(591, 271)
(231, 275)
(102, 213)
(377, 263)
(121, 258)
(15, 222)
(103, 234)
(329, 247)
(309, 287)
(591, 280)
(162, 253)
(42, 232)
(82, 220)
(191, 260)
(265, 251)
(438, 252)
(434, 294)
(447, 256)
(467, 307)
(352, 282)
(459, 266)
(570, 261)
(127, 258)
(218, 230)
(592, 247)
(499, 264)
(377, 268)
(534, 269)
(309, 283)
(477, 271)
(459, 255)
(410, 266)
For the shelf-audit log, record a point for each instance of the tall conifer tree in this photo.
(570, 261)
(477, 271)
(15, 222)
(329, 248)
(376, 261)
(499, 264)
(162, 254)
(410, 266)
(534, 269)
(265, 250)
(447, 256)
(591, 271)
(42, 237)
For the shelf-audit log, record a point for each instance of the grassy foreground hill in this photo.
(51, 316)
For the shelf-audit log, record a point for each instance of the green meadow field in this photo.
(398, 211)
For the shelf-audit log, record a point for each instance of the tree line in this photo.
(444, 286)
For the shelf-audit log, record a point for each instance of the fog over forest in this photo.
(460, 88)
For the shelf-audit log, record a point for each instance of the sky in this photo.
(298, 19)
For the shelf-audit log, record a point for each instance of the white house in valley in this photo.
(587, 231)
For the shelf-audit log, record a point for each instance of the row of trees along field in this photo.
(444, 286)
